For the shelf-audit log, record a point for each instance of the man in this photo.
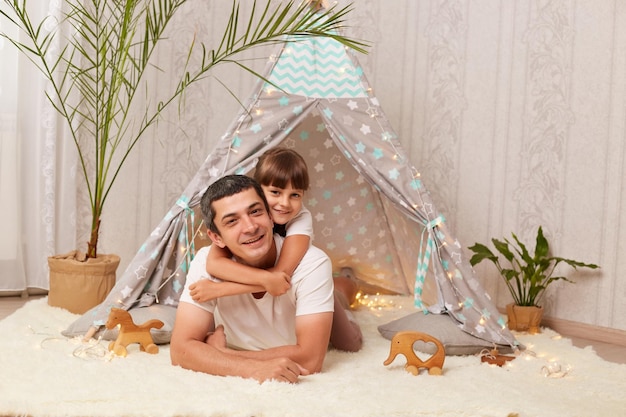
(259, 336)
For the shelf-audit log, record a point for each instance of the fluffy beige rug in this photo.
(44, 374)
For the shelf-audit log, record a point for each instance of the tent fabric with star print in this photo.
(370, 208)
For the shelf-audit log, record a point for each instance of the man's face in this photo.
(245, 228)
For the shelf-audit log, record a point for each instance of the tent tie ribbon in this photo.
(183, 203)
(423, 260)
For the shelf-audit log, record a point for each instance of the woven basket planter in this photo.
(77, 285)
(524, 318)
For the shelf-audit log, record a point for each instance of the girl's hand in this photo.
(204, 290)
(277, 283)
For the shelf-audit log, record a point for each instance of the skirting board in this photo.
(570, 328)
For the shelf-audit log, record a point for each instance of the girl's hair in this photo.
(280, 166)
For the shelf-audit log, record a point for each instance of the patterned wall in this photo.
(513, 111)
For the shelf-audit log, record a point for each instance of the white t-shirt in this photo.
(253, 324)
(301, 224)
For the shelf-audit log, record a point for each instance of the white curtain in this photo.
(37, 171)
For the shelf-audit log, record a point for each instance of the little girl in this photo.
(284, 177)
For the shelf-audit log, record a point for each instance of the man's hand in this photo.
(279, 369)
(217, 339)
(277, 282)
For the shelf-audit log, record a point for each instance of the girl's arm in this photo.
(220, 265)
(297, 241)
(206, 290)
(294, 248)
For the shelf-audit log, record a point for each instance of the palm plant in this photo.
(527, 276)
(100, 73)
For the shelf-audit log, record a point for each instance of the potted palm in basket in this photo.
(97, 59)
(526, 275)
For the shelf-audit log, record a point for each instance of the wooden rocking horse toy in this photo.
(129, 332)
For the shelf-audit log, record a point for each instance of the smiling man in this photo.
(253, 335)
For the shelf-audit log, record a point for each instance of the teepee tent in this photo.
(370, 209)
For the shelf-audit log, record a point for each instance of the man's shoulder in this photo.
(197, 268)
(312, 253)
(314, 261)
(316, 252)
(205, 250)
(202, 253)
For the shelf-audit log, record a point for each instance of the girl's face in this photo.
(284, 203)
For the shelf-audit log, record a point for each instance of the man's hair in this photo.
(225, 187)
(280, 166)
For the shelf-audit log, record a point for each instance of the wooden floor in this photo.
(609, 352)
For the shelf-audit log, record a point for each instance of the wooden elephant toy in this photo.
(129, 332)
(402, 343)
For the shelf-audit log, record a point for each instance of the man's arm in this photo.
(312, 336)
(189, 350)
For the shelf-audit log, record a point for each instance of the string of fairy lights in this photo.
(549, 366)
(184, 248)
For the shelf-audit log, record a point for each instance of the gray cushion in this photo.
(140, 315)
(442, 327)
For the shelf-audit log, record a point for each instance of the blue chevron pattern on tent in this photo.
(317, 67)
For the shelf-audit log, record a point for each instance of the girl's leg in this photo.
(345, 333)
(346, 285)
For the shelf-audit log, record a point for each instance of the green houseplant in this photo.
(98, 76)
(526, 275)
